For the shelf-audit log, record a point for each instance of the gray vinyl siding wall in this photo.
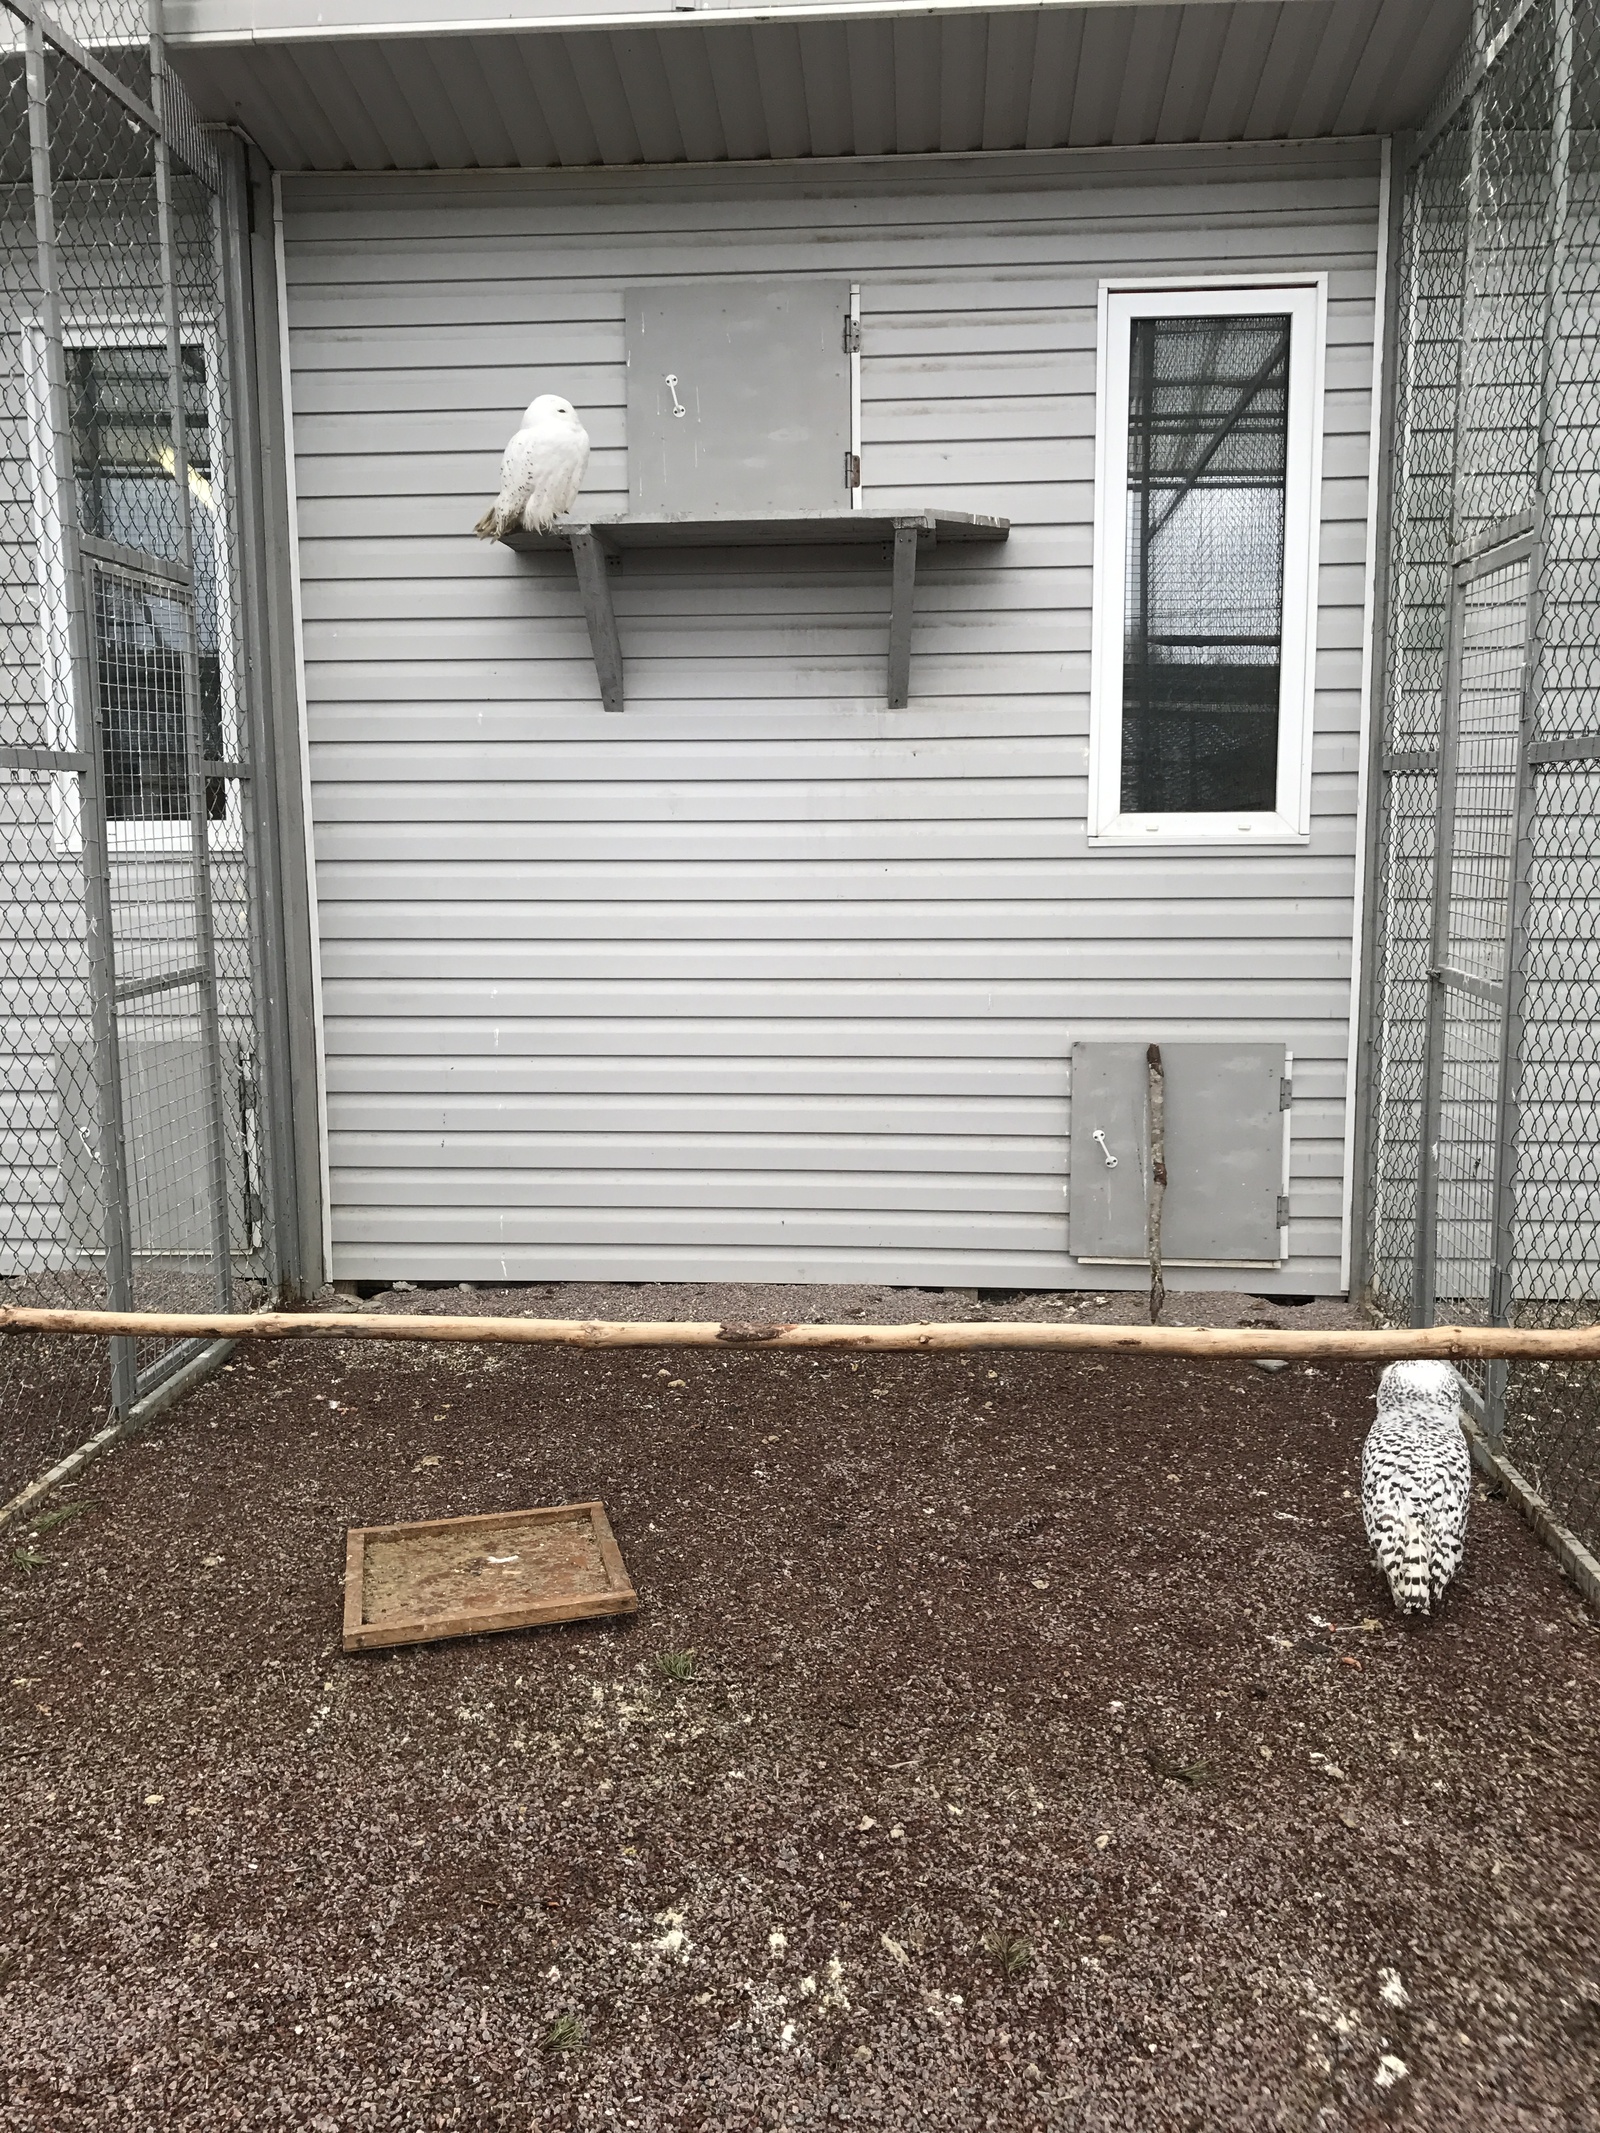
(760, 979)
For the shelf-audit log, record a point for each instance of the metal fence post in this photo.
(1424, 1293)
(1501, 1288)
(260, 796)
(1425, 1279)
(101, 939)
(194, 739)
(1366, 1035)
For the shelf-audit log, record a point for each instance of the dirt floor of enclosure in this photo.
(1003, 1740)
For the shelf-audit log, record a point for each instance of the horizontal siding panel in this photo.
(562, 1163)
(1267, 1005)
(731, 913)
(780, 1197)
(974, 386)
(778, 963)
(440, 423)
(463, 806)
(950, 600)
(801, 843)
(1337, 180)
(761, 978)
(976, 466)
(560, 1143)
(989, 259)
(881, 1229)
(845, 684)
(1315, 1266)
(962, 1234)
(651, 762)
(528, 797)
(414, 1051)
(465, 1177)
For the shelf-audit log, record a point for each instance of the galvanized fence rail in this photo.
(1483, 1090)
(132, 1160)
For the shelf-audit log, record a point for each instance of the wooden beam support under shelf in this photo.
(594, 589)
(902, 597)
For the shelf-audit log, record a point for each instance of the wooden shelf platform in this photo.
(907, 533)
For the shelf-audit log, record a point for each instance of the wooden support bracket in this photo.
(594, 589)
(594, 541)
(907, 532)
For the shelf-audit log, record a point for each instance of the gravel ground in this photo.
(1017, 1775)
(54, 1394)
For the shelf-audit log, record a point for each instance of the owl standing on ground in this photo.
(1416, 1481)
(542, 470)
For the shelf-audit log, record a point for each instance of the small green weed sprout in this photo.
(47, 1521)
(1010, 1951)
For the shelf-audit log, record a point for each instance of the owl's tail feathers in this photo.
(1409, 1580)
(488, 527)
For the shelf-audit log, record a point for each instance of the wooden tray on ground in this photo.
(457, 1577)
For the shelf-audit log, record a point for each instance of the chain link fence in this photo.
(1484, 1094)
(131, 1159)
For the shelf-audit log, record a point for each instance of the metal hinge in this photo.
(1283, 1210)
(1285, 1093)
(852, 336)
(852, 470)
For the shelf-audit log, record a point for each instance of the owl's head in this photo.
(549, 407)
(1419, 1384)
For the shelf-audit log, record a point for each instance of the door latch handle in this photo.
(671, 383)
(1111, 1161)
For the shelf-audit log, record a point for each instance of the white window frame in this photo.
(1303, 299)
(132, 835)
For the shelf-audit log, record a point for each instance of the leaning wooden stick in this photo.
(1377, 1345)
(1158, 1174)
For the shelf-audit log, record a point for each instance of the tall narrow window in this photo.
(1208, 434)
(1206, 543)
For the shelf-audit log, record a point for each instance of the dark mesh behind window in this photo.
(122, 453)
(139, 653)
(1208, 429)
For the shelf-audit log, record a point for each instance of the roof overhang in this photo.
(580, 83)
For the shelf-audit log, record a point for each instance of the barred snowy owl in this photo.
(542, 470)
(1416, 1479)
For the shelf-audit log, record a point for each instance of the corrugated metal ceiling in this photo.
(699, 92)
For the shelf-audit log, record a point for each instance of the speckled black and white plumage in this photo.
(1416, 1482)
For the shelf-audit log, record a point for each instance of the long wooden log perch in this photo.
(1386, 1345)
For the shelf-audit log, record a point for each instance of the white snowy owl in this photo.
(542, 470)
(1416, 1480)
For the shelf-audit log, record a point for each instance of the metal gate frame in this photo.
(1490, 924)
(1500, 549)
(241, 1167)
(1492, 549)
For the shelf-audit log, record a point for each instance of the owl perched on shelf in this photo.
(542, 470)
(1416, 1479)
